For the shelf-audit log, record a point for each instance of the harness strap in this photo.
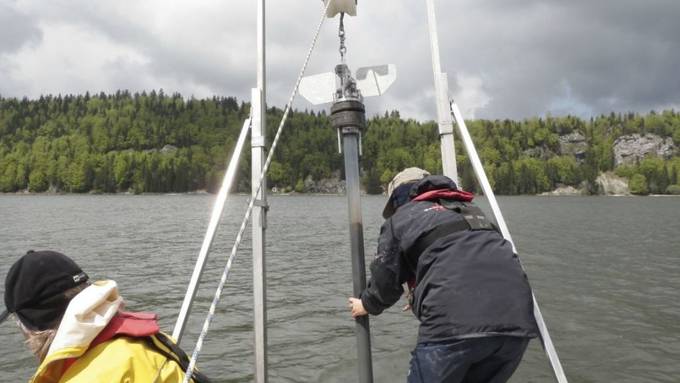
(175, 354)
(473, 218)
(438, 232)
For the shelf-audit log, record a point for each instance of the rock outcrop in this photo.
(564, 191)
(169, 149)
(574, 144)
(540, 152)
(324, 186)
(611, 184)
(165, 149)
(629, 150)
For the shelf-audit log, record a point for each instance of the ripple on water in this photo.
(604, 271)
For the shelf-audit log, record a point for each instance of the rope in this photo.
(244, 223)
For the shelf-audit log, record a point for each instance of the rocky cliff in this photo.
(573, 144)
(333, 185)
(610, 184)
(565, 191)
(629, 150)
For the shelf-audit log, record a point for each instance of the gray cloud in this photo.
(505, 58)
(613, 55)
(17, 29)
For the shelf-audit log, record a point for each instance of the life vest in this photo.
(145, 327)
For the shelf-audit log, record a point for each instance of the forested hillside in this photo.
(152, 142)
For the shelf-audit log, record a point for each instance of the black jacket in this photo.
(469, 283)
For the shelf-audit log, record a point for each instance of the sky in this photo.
(504, 58)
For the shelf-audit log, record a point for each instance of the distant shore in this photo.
(197, 192)
(204, 192)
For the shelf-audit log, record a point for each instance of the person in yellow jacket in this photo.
(78, 330)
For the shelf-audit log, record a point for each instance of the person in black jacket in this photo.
(471, 296)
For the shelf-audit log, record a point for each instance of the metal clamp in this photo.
(261, 203)
(265, 209)
(349, 113)
(258, 141)
(350, 130)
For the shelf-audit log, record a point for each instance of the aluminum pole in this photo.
(441, 88)
(488, 192)
(215, 218)
(259, 225)
(261, 47)
(259, 222)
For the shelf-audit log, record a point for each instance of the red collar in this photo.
(458, 195)
(134, 325)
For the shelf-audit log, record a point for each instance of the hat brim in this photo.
(389, 209)
(4, 316)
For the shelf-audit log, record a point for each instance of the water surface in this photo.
(605, 272)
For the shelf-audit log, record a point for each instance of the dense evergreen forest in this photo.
(152, 142)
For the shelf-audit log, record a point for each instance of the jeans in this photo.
(476, 360)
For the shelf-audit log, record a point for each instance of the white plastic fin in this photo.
(319, 88)
(371, 81)
(347, 6)
(375, 80)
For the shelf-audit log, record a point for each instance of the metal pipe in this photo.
(349, 117)
(352, 179)
(259, 225)
(488, 192)
(259, 222)
(261, 47)
(215, 218)
(441, 88)
(434, 39)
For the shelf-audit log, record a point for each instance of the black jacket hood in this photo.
(429, 183)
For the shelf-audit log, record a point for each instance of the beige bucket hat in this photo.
(408, 175)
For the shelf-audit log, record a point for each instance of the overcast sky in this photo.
(505, 58)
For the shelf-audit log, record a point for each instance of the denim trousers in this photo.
(490, 359)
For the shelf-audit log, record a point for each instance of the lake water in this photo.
(606, 273)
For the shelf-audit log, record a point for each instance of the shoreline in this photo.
(197, 192)
(295, 194)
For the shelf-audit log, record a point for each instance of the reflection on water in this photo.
(604, 271)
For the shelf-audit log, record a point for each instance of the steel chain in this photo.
(341, 34)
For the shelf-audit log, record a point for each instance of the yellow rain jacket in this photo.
(96, 344)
